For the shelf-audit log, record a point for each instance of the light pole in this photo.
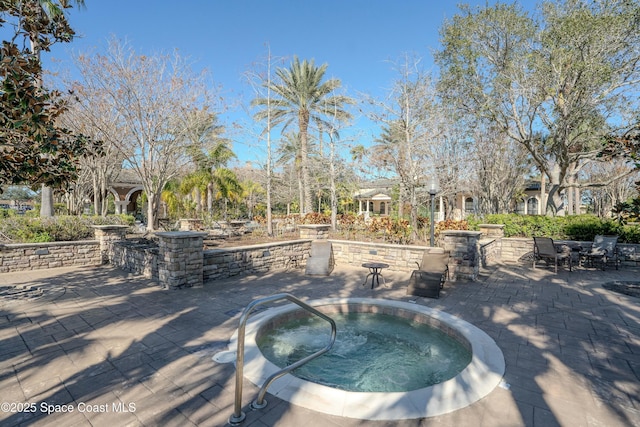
(433, 190)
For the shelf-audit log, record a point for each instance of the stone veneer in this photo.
(399, 257)
(106, 235)
(36, 256)
(464, 253)
(136, 257)
(314, 231)
(227, 262)
(180, 259)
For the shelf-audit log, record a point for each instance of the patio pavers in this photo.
(119, 350)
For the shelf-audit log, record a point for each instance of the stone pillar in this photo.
(491, 243)
(180, 259)
(314, 231)
(464, 253)
(106, 235)
(121, 206)
(492, 231)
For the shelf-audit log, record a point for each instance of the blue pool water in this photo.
(372, 352)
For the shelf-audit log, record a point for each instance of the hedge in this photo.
(574, 227)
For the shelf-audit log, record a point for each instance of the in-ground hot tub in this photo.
(480, 376)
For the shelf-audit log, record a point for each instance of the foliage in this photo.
(450, 224)
(575, 227)
(22, 229)
(557, 82)
(315, 218)
(166, 113)
(34, 149)
(300, 96)
(628, 211)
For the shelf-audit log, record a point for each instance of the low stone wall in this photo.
(490, 252)
(227, 262)
(35, 256)
(138, 258)
(399, 257)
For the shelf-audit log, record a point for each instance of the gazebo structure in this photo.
(126, 189)
(373, 201)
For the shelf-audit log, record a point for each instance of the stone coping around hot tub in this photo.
(478, 379)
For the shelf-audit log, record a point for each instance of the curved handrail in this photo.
(239, 416)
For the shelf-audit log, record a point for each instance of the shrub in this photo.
(575, 227)
(23, 229)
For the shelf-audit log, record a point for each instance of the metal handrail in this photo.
(239, 416)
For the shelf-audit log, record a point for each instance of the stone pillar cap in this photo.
(109, 227)
(181, 234)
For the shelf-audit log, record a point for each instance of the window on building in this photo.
(532, 206)
(382, 207)
(468, 205)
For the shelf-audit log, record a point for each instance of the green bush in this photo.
(575, 227)
(6, 213)
(24, 229)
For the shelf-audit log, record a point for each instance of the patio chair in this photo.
(545, 249)
(430, 276)
(603, 250)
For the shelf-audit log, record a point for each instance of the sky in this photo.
(358, 39)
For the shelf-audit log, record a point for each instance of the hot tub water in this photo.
(372, 352)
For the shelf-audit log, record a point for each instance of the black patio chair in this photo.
(545, 250)
(430, 276)
(603, 250)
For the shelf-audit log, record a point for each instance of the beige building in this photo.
(375, 199)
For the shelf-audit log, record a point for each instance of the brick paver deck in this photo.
(99, 347)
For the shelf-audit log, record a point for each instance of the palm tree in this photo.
(301, 97)
(227, 186)
(290, 152)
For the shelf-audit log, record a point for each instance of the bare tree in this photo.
(500, 166)
(410, 125)
(262, 86)
(556, 83)
(98, 169)
(605, 197)
(154, 100)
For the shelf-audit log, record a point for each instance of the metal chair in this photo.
(604, 250)
(430, 276)
(545, 249)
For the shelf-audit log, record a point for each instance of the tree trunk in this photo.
(413, 214)
(303, 118)
(210, 198)
(152, 209)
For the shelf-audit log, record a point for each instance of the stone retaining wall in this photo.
(138, 258)
(399, 257)
(227, 262)
(490, 252)
(181, 261)
(35, 256)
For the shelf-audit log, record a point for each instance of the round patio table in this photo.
(375, 272)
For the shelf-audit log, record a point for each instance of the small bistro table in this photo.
(375, 271)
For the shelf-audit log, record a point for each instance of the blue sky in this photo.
(356, 38)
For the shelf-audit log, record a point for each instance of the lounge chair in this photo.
(430, 276)
(545, 249)
(603, 250)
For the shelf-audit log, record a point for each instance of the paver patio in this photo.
(118, 350)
